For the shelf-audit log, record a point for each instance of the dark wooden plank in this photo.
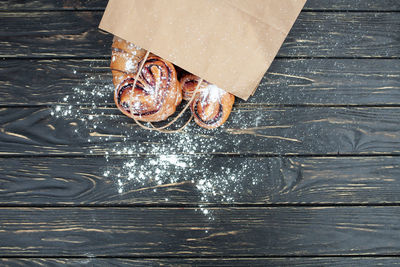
(49, 81)
(17, 5)
(315, 34)
(94, 181)
(370, 5)
(53, 34)
(251, 129)
(282, 261)
(353, 5)
(289, 81)
(343, 35)
(141, 232)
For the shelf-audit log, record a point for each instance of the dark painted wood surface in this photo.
(258, 231)
(251, 129)
(314, 153)
(315, 34)
(261, 261)
(334, 5)
(279, 181)
(288, 82)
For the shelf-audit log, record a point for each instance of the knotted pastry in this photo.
(156, 93)
(125, 59)
(211, 105)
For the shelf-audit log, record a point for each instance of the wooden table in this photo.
(321, 136)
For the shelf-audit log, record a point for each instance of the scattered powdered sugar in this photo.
(154, 160)
(217, 179)
(214, 93)
(173, 160)
(132, 45)
(131, 64)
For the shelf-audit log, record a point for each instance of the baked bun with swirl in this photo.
(156, 94)
(125, 59)
(211, 105)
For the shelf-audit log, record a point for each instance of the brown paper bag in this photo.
(230, 43)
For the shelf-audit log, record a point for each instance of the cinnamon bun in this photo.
(156, 93)
(211, 105)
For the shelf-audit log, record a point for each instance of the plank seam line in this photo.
(236, 106)
(349, 11)
(202, 205)
(50, 10)
(210, 155)
(336, 57)
(202, 256)
(10, 57)
(222, 155)
(98, 9)
(108, 57)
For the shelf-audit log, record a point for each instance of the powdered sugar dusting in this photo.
(214, 93)
(155, 159)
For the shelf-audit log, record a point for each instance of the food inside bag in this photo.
(211, 106)
(149, 89)
(230, 43)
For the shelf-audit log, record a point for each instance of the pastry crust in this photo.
(157, 91)
(211, 105)
(125, 59)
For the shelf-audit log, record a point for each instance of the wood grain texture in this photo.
(304, 180)
(186, 232)
(344, 5)
(250, 129)
(282, 261)
(335, 201)
(17, 5)
(315, 34)
(288, 81)
(352, 5)
(53, 34)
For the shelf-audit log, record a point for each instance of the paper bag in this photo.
(230, 43)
